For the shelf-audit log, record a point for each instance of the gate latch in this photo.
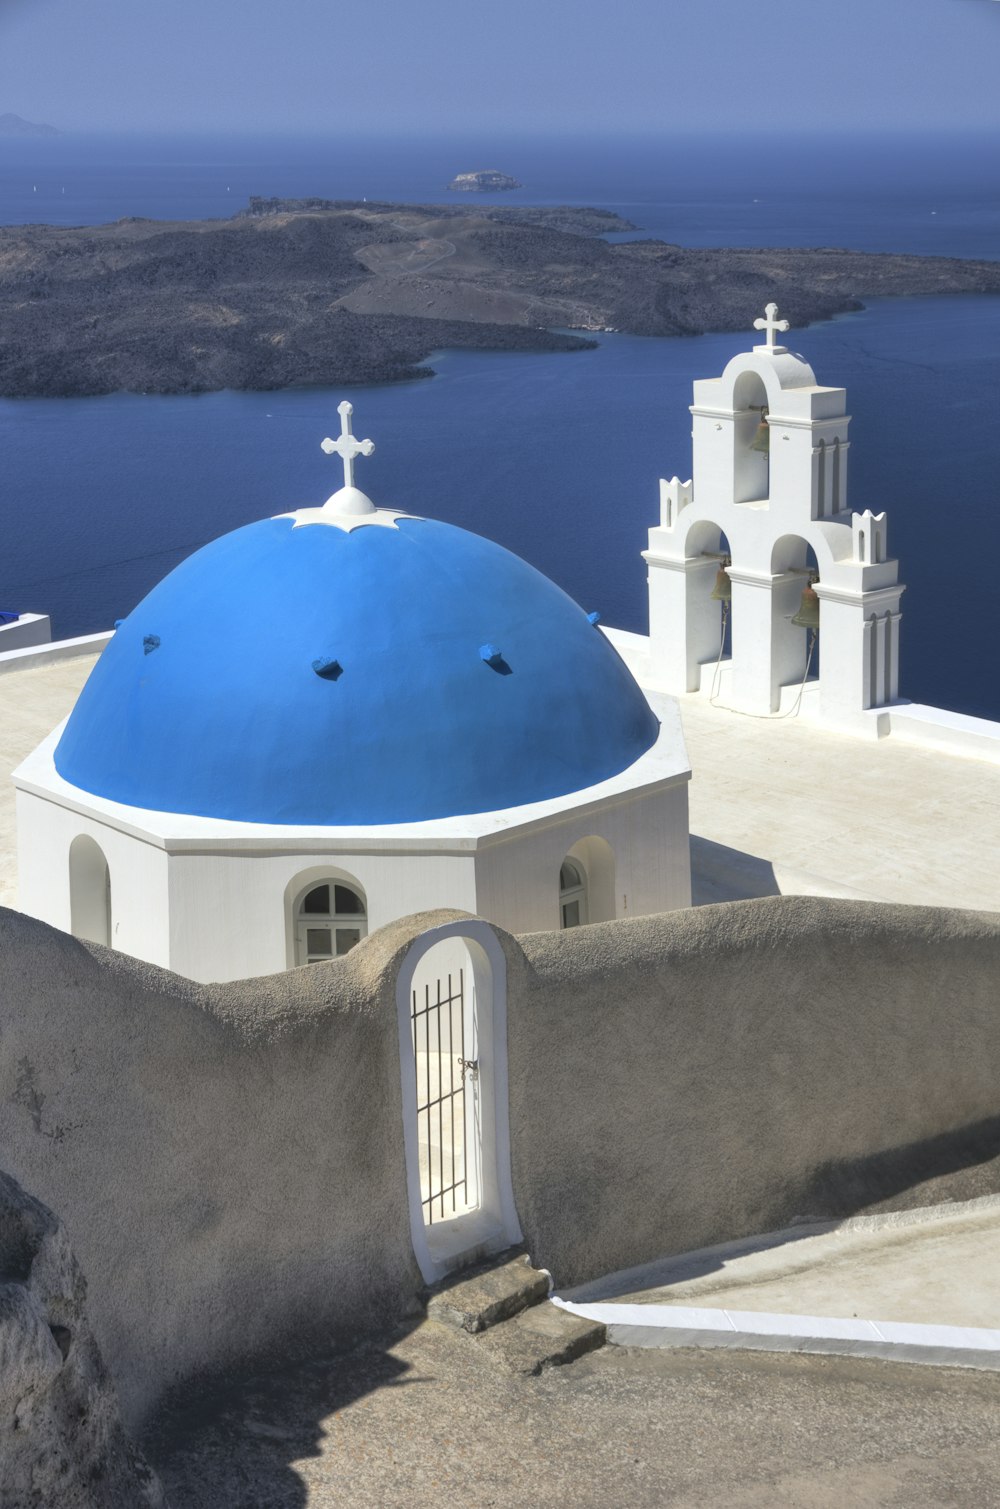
(470, 1066)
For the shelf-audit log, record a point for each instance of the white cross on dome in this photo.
(346, 446)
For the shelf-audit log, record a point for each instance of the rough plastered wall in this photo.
(682, 1080)
(228, 1161)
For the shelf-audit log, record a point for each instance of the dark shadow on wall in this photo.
(960, 1165)
(233, 1445)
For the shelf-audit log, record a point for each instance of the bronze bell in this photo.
(762, 440)
(722, 592)
(808, 615)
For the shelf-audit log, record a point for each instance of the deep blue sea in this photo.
(556, 456)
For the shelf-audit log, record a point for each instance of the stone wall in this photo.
(683, 1080)
(229, 1160)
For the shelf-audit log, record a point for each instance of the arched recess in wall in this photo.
(89, 891)
(451, 996)
(752, 470)
(594, 860)
(326, 914)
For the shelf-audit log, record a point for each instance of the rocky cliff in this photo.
(61, 1437)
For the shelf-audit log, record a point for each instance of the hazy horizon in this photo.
(550, 67)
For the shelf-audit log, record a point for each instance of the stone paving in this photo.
(426, 1420)
(886, 818)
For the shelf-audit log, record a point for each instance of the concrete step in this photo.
(542, 1337)
(477, 1298)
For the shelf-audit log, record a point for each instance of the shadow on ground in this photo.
(235, 1446)
(423, 1420)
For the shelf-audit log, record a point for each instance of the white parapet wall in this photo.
(27, 629)
(955, 733)
(47, 651)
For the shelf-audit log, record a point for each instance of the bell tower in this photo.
(768, 500)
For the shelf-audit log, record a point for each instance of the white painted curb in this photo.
(760, 1331)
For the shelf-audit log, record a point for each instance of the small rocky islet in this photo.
(484, 181)
(315, 291)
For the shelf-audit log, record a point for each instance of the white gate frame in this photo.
(448, 1244)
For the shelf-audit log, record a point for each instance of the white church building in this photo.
(340, 716)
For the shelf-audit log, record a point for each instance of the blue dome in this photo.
(308, 675)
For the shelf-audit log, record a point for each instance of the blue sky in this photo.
(524, 65)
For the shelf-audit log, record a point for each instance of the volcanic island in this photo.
(315, 291)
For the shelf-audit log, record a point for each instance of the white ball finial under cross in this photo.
(772, 325)
(346, 446)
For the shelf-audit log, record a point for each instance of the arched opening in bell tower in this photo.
(710, 603)
(751, 451)
(795, 640)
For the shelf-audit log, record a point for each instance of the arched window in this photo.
(572, 894)
(89, 891)
(329, 919)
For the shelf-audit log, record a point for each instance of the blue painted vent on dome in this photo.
(494, 659)
(416, 730)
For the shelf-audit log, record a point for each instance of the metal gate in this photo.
(447, 1084)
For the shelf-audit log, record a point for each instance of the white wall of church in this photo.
(218, 902)
(138, 875)
(518, 879)
(231, 914)
(227, 916)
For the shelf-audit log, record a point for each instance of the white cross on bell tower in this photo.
(771, 324)
(346, 446)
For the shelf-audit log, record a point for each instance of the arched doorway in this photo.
(451, 1002)
(89, 891)
(329, 917)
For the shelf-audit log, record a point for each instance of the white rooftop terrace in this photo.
(776, 805)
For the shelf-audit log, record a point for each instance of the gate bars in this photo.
(439, 1035)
